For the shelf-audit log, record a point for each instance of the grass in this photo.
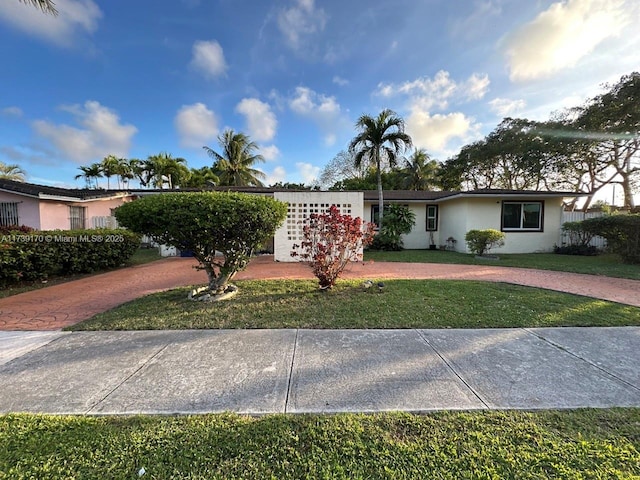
(580, 444)
(140, 257)
(401, 304)
(607, 264)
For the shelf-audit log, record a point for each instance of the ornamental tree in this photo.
(234, 224)
(330, 241)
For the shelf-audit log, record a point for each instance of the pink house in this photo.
(50, 208)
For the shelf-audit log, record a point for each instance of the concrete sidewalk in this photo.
(276, 371)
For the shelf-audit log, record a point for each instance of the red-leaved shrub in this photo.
(330, 241)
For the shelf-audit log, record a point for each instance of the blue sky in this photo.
(136, 78)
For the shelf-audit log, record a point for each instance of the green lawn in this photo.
(401, 304)
(581, 444)
(607, 264)
(140, 257)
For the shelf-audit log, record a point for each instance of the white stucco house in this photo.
(531, 220)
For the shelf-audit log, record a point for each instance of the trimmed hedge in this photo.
(37, 255)
(622, 233)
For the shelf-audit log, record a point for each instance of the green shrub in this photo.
(398, 221)
(234, 224)
(481, 241)
(622, 233)
(37, 255)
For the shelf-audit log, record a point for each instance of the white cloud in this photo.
(208, 58)
(562, 35)
(307, 172)
(439, 91)
(434, 132)
(323, 110)
(74, 17)
(506, 107)
(338, 80)
(261, 121)
(270, 152)
(101, 133)
(196, 125)
(278, 174)
(301, 20)
(12, 112)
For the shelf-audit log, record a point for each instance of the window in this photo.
(9, 214)
(526, 216)
(432, 218)
(375, 215)
(77, 218)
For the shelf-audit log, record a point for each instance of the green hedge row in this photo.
(37, 255)
(622, 233)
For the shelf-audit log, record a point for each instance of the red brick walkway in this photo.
(61, 305)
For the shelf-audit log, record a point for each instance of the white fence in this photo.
(104, 222)
(597, 242)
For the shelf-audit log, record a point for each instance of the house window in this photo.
(523, 216)
(77, 218)
(9, 214)
(432, 218)
(375, 215)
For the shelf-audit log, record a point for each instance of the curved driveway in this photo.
(55, 307)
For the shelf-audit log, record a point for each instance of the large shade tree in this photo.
(234, 224)
(11, 172)
(234, 164)
(379, 143)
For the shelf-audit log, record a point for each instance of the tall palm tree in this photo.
(90, 172)
(419, 172)
(11, 172)
(163, 169)
(379, 143)
(47, 6)
(234, 165)
(110, 167)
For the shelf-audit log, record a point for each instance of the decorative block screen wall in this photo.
(303, 204)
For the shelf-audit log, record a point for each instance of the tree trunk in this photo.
(380, 194)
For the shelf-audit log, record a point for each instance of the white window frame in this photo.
(433, 217)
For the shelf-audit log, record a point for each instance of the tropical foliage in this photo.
(234, 165)
(11, 172)
(47, 6)
(379, 143)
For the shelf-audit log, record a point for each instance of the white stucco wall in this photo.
(303, 204)
(461, 215)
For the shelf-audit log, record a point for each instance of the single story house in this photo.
(531, 220)
(53, 208)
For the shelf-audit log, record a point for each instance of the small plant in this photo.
(579, 239)
(481, 241)
(451, 243)
(330, 241)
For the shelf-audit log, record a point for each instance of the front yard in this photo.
(399, 304)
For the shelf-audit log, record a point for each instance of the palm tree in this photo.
(47, 6)
(379, 143)
(164, 169)
(419, 172)
(110, 167)
(11, 172)
(233, 165)
(91, 172)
